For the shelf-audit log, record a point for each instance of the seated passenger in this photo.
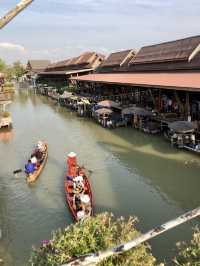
(69, 178)
(38, 154)
(41, 146)
(29, 167)
(78, 188)
(78, 179)
(77, 205)
(34, 160)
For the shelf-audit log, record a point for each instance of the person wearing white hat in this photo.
(80, 215)
(79, 179)
(40, 146)
(78, 184)
(72, 154)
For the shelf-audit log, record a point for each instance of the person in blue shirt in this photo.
(29, 167)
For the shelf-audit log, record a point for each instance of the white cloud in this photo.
(12, 46)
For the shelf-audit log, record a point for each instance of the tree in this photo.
(2, 65)
(18, 70)
(92, 235)
(189, 253)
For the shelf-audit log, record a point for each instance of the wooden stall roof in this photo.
(35, 65)
(166, 52)
(57, 64)
(64, 72)
(118, 58)
(85, 59)
(189, 81)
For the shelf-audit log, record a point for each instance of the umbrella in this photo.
(103, 111)
(109, 103)
(85, 101)
(182, 126)
(74, 98)
(66, 94)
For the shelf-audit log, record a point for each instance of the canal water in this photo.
(132, 174)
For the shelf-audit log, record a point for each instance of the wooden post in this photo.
(94, 258)
(159, 100)
(152, 97)
(179, 102)
(14, 12)
(187, 103)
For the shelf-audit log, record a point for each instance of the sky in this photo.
(60, 29)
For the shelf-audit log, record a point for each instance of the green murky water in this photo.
(133, 174)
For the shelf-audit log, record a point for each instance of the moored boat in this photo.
(195, 148)
(31, 178)
(78, 190)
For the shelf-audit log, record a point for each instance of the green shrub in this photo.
(189, 253)
(5, 114)
(94, 234)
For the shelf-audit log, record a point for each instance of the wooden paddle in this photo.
(17, 171)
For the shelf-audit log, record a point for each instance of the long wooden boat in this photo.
(70, 195)
(191, 149)
(33, 177)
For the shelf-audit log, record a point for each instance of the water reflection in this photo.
(6, 135)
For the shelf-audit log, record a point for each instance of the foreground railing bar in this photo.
(14, 12)
(94, 258)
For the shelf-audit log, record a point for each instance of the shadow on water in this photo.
(166, 168)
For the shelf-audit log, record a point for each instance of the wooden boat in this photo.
(70, 195)
(33, 177)
(191, 149)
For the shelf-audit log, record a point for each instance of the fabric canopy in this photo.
(102, 111)
(182, 127)
(136, 111)
(109, 104)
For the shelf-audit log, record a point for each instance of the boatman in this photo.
(29, 167)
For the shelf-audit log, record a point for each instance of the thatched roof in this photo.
(165, 52)
(182, 127)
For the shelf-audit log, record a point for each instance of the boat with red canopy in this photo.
(77, 190)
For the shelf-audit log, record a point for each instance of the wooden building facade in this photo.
(60, 72)
(164, 77)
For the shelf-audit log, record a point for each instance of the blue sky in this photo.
(58, 29)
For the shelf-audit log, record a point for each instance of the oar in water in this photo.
(17, 171)
(85, 168)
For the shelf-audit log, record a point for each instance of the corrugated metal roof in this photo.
(180, 81)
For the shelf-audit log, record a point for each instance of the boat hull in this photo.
(32, 178)
(69, 197)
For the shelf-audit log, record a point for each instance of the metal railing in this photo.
(94, 258)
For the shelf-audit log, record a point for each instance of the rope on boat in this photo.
(94, 258)
(14, 12)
